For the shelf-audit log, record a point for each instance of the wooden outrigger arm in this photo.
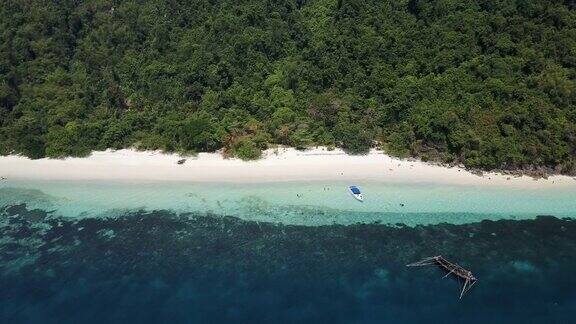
(457, 271)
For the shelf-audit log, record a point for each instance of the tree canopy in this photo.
(487, 83)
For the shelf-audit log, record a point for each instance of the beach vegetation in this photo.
(246, 149)
(491, 85)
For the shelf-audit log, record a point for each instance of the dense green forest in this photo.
(487, 83)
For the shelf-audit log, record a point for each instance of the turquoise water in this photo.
(297, 203)
(160, 267)
(103, 252)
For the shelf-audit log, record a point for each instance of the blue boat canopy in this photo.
(355, 190)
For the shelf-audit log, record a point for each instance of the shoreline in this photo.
(276, 165)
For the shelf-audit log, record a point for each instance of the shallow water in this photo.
(148, 253)
(298, 203)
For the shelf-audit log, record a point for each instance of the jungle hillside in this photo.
(490, 84)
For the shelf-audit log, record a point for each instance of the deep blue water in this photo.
(160, 267)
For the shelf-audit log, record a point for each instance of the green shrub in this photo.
(246, 149)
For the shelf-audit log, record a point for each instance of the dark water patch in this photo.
(24, 195)
(150, 267)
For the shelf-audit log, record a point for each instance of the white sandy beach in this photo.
(277, 165)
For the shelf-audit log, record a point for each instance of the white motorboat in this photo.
(355, 191)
